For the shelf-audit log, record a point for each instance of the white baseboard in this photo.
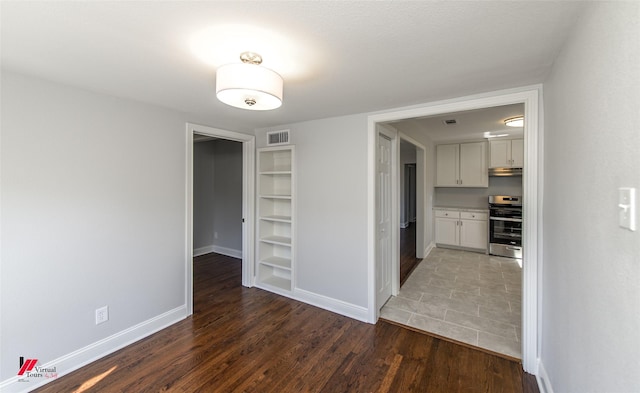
(230, 252)
(202, 250)
(429, 248)
(83, 356)
(544, 384)
(331, 304)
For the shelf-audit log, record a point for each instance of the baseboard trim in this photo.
(544, 384)
(429, 248)
(230, 252)
(330, 304)
(92, 352)
(202, 250)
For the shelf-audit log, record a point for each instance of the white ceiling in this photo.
(337, 58)
(470, 125)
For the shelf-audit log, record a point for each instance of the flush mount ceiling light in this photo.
(248, 85)
(517, 121)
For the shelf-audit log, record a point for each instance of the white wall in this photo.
(203, 195)
(477, 197)
(331, 216)
(92, 214)
(591, 274)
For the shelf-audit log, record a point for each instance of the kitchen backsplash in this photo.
(477, 197)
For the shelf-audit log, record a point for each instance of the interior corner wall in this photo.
(591, 272)
(217, 197)
(93, 214)
(331, 206)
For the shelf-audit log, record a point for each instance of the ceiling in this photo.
(470, 125)
(336, 58)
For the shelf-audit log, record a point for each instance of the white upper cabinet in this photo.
(517, 153)
(506, 153)
(447, 165)
(462, 165)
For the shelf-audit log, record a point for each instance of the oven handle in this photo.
(506, 219)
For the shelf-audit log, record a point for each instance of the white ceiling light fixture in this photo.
(248, 85)
(517, 121)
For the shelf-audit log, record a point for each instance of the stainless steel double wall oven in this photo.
(505, 226)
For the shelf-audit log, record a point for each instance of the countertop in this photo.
(463, 209)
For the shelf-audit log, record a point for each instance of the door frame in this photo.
(531, 97)
(423, 217)
(394, 236)
(248, 204)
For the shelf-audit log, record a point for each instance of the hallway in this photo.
(464, 296)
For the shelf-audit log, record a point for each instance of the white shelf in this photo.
(276, 218)
(278, 262)
(281, 240)
(273, 196)
(277, 283)
(276, 173)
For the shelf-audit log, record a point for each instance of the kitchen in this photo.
(468, 289)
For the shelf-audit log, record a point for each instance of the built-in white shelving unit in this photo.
(275, 245)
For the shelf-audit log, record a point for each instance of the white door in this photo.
(383, 221)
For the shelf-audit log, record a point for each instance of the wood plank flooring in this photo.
(408, 260)
(248, 340)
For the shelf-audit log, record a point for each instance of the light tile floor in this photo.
(466, 296)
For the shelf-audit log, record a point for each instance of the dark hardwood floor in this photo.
(408, 260)
(248, 340)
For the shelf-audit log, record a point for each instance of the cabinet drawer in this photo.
(447, 213)
(473, 216)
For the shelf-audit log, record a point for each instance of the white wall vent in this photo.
(277, 137)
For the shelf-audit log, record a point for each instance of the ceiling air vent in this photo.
(277, 137)
(450, 122)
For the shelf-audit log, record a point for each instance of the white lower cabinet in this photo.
(447, 229)
(461, 228)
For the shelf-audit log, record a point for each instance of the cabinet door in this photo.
(473, 165)
(447, 231)
(500, 154)
(517, 153)
(473, 234)
(447, 163)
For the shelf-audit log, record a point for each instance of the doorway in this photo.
(530, 98)
(217, 197)
(408, 217)
(248, 197)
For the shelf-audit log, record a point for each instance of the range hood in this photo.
(505, 171)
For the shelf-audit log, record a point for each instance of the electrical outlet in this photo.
(102, 315)
(215, 235)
